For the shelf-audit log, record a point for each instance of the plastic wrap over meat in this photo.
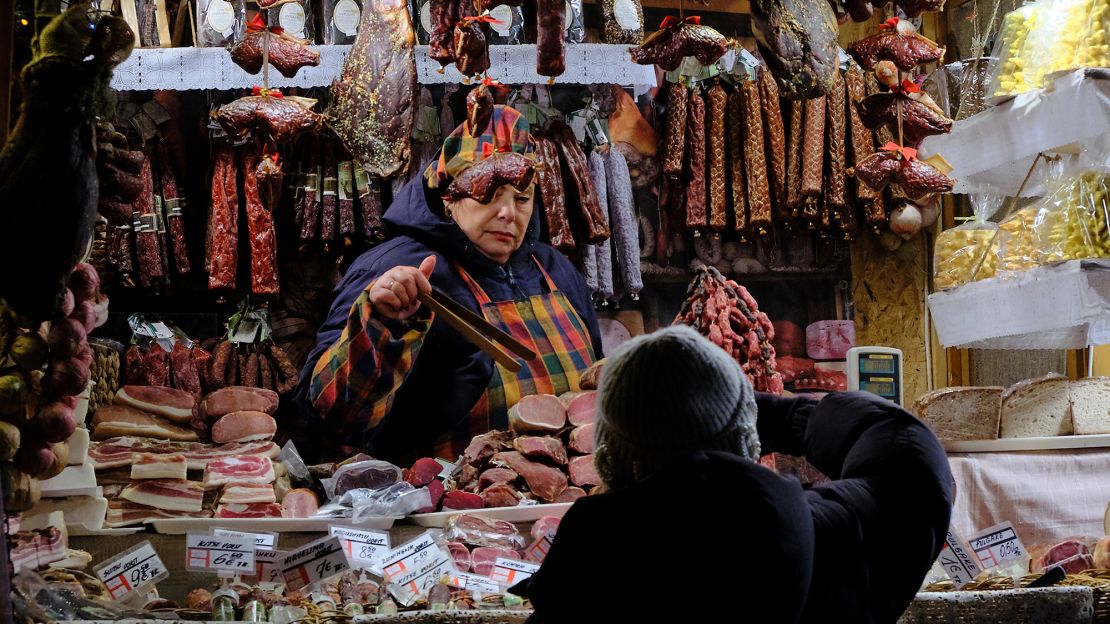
(482, 531)
(287, 53)
(481, 181)
(374, 101)
(282, 117)
(371, 475)
(676, 40)
(830, 340)
(798, 41)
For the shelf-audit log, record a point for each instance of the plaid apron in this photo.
(549, 325)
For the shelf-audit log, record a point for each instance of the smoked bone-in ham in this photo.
(281, 117)
(374, 100)
(287, 53)
(798, 41)
(677, 39)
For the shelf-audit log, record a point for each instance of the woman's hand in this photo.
(394, 294)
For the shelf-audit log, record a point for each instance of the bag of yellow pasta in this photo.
(1012, 53)
(969, 253)
(1075, 223)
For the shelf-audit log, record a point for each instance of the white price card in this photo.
(958, 561)
(262, 541)
(538, 550)
(364, 547)
(267, 565)
(314, 562)
(997, 544)
(213, 553)
(413, 568)
(131, 570)
(475, 584)
(512, 571)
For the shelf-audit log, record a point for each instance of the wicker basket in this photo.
(1049, 605)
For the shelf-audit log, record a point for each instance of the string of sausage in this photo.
(260, 229)
(223, 247)
(755, 160)
(696, 213)
(717, 103)
(738, 187)
(549, 178)
(775, 135)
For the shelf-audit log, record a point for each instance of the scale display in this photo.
(877, 370)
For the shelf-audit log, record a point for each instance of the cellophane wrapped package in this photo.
(1073, 223)
(1010, 52)
(969, 252)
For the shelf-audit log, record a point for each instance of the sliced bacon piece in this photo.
(248, 469)
(244, 493)
(177, 405)
(123, 513)
(157, 466)
(168, 494)
(254, 510)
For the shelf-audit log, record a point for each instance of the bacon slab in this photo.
(123, 513)
(158, 466)
(168, 494)
(238, 470)
(177, 405)
(244, 493)
(117, 452)
(254, 510)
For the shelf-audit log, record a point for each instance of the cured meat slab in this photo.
(176, 405)
(168, 494)
(299, 503)
(245, 493)
(118, 452)
(253, 510)
(238, 399)
(541, 447)
(123, 513)
(241, 470)
(544, 481)
(158, 466)
(583, 472)
(118, 420)
(244, 426)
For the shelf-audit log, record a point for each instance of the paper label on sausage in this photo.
(426, 17)
(628, 18)
(346, 16)
(291, 17)
(504, 15)
(221, 16)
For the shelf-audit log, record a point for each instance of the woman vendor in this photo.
(388, 376)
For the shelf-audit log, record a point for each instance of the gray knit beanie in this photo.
(666, 395)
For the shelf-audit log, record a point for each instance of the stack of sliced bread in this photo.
(1048, 406)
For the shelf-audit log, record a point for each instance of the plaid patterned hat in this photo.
(507, 132)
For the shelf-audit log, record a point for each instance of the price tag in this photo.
(262, 541)
(538, 550)
(475, 584)
(267, 565)
(958, 561)
(314, 562)
(512, 571)
(364, 548)
(211, 553)
(416, 567)
(997, 544)
(131, 570)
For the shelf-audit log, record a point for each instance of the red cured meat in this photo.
(134, 370)
(483, 558)
(583, 472)
(582, 409)
(582, 439)
(299, 503)
(544, 481)
(185, 375)
(223, 223)
(260, 228)
(545, 448)
(546, 525)
(495, 476)
(570, 495)
(423, 472)
(461, 554)
(500, 495)
(484, 446)
(157, 365)
(202, 362)
(461, 501)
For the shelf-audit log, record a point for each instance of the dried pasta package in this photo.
(622, 21)
(1019, 247)
(341, 18)
(1073, 221)
(1010, 52)
(968, 253)
(220, 22)
(1049, 48)
(1093, 46)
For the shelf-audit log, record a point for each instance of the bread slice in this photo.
(1090, 405)
(1036, 408)
(961, 413)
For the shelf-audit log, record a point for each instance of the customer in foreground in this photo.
(694, 527)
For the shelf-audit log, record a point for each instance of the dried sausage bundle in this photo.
(775, 135)
(260, 229)
(862, 143)
(576, 170)
(223, 222)
(795, 142)
(738, 188)
(835, 195)
(813, 157)
(755, 160)
(265, 365)
(549, 178)
(674, 143)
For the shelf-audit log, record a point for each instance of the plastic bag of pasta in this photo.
(969, 252)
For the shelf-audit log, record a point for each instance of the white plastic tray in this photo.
(180, 526)
(80, 530)
(1028, 444)
(524, 513)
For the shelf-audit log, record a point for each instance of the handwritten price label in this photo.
(262, 541)
(365, 548)
(133, 569)
(314, 562)
(997, 544)
(475, 584)
(512, 571)
(415, 567)
(206, 553)
(958, 561)
(267, 565)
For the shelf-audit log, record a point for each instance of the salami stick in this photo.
(813, 158)
(346, 198)
(755, 160)
(330, 188)
(835, 192)
(674, 143)
(311, 210)
(551, 47)
(622, 216)
(717, 103)
(738, 187)
(775, 136)
(260, 229)
(794, 158)
(549, 178)
(224, 222)
(696, 213)
(861, 142)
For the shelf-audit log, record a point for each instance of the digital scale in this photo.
(877, 370)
